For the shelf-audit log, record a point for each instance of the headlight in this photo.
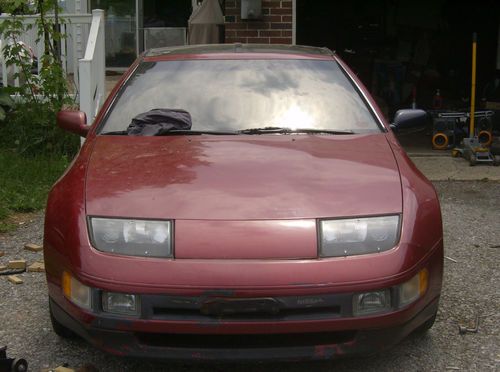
(130, 237)
(348, 237)
(370, 303)
(120, 303)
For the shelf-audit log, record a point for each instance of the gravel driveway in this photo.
(472, 286)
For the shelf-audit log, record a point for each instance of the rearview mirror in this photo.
(409, 118)
(73, 121)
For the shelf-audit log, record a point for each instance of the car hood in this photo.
(244, 177)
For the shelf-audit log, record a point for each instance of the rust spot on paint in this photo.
(327, 351)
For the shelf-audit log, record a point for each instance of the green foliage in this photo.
(16, 6)
(50, 84)
(33, 150)
(31, 127)
(5, 99)
(25, 182)
(6, 103)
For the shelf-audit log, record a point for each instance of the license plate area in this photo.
(240, 306)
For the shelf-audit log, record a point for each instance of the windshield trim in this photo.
(363, 95)
(118, 94)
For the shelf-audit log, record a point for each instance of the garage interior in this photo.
(411, 53)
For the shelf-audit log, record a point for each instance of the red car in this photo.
(239, 202)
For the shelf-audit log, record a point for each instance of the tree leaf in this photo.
(5, 99)
(2, 114)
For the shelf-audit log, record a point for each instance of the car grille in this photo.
(160, 312)
(227, 308)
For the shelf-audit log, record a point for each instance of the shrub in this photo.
(30, 129)
(6, 103)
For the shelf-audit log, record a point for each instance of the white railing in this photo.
(73, 27)
(92, 69)
(82, 56)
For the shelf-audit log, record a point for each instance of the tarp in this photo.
(159, 121)
(203, 23)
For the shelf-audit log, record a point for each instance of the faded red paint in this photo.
(312, 177)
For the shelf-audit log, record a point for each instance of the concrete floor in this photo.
(439, 165)
(444, 168)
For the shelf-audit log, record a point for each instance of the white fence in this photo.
(82, 55)
(74, 27)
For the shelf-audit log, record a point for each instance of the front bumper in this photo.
(122, 337)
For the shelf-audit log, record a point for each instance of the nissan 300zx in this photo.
(237, 202)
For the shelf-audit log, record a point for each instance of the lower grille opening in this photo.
(159, 312)
(244, 341)
(283, 314)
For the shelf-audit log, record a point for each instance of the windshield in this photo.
(236, 95)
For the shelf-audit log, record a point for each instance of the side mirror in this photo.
(409, 118)
(73, 121)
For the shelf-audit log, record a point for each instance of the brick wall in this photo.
(275, 27)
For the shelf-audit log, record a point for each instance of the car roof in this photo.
(238, 51)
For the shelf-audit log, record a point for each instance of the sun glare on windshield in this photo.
(295, 117)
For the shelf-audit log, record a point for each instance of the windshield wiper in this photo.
(326, 131)
(189, 132)
(174, 132)
(115, 133)
(264, 130)
(284, 130)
